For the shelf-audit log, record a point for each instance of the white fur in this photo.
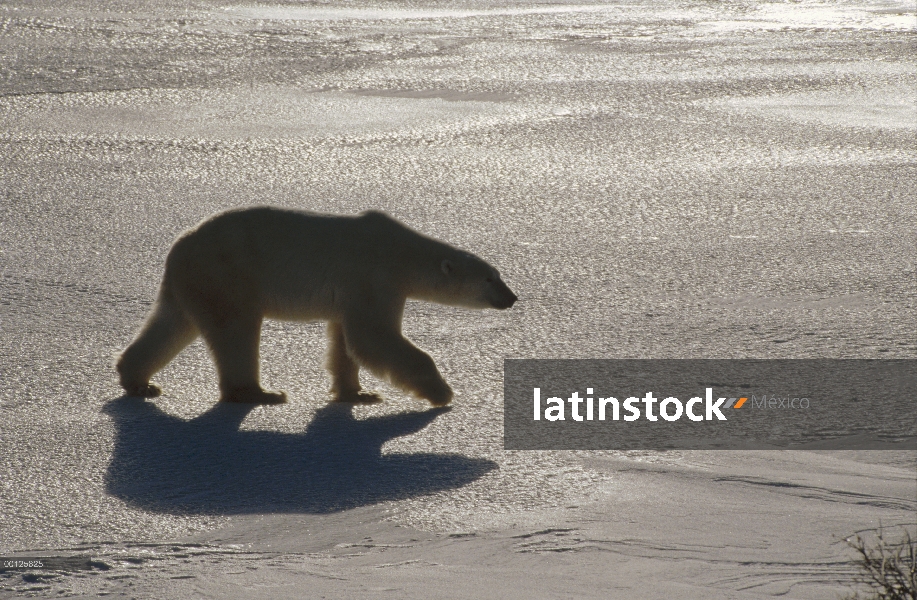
(226, 275)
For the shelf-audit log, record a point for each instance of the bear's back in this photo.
(297, 261)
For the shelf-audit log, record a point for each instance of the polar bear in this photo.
(223, 277)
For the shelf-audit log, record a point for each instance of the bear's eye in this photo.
(489, 280)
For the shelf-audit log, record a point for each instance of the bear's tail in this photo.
(165, 333)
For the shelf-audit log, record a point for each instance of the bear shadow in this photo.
(206, 465)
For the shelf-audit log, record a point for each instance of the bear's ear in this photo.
(447, 267)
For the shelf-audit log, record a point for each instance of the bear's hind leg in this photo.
(164, 334)
(234, 346)
(345, 372)
(386, 352)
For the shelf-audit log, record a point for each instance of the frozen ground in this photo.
(654, 179)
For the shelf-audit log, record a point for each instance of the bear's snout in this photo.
(504, 296)
(509, 301)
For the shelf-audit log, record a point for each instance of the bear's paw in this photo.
(253, 396)
(142, 390)
(357, 398)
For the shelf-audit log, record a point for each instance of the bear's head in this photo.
(468, 281)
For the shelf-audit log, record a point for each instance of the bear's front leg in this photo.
(382, 349)
(345, 372)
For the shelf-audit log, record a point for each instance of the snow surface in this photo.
(654, 179)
